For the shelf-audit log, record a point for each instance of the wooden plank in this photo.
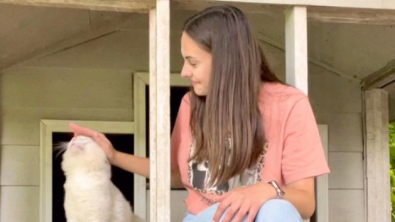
(383, 17)
(346, 170)
(144, 5)
(175, 79)
(100, 5)
(377, 156)
(381, 77)
(296, 48)
(139, 140)
(316, 13)
(67, 43)
(51, 88)
(100, 126)
(245, 7)
(152, 113)
(19, 125)
(45, 173)
(322, 187)
(141, 80)
(19, 199)
(178, 207)
(160, 85)
(345, 129)
(19, 166)
(351, 15)
(383, 4)
(347, 206)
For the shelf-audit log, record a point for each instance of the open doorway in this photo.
(121, 134)
(176, 95)
(121, 179)
(178, 88)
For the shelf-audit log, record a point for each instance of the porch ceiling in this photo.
(353, 50)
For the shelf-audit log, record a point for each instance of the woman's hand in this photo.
(244, 202)
(99, 138)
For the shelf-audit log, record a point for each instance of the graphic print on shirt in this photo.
(198, 175)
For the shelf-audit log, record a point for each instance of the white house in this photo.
(90, 62)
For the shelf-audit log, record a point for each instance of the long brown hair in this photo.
(227, 124)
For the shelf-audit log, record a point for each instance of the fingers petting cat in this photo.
(99, 138)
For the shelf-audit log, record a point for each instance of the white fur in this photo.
(90, 194)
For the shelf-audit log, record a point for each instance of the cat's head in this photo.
(84, 155)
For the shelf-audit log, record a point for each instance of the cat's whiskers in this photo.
(60, 148)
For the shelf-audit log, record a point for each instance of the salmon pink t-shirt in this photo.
(293, 150)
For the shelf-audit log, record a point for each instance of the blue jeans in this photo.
(272, 211)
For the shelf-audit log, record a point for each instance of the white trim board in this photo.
(296, 59)
(366, 4)
(47, 128)
(322, 187)
(377, 161)
(144, 5)
(140, 81)
(321, 183)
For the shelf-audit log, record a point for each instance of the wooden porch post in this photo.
(160, 112)
(297, 76)
(296, 47)
(377, 156)
(296, 58)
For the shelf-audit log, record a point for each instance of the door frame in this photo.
(140, 81)
(47, 128)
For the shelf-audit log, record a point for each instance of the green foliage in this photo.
(392, 176)
(392, 143)
(392, 167)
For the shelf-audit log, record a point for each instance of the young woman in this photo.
(245, 145)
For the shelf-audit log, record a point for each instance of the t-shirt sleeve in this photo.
(181, 124)
(303, 153)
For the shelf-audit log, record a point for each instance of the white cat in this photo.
(90, 196)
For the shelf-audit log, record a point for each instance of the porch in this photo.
(110, 51)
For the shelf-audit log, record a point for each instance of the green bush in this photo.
(392, 167)
(392, 176)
